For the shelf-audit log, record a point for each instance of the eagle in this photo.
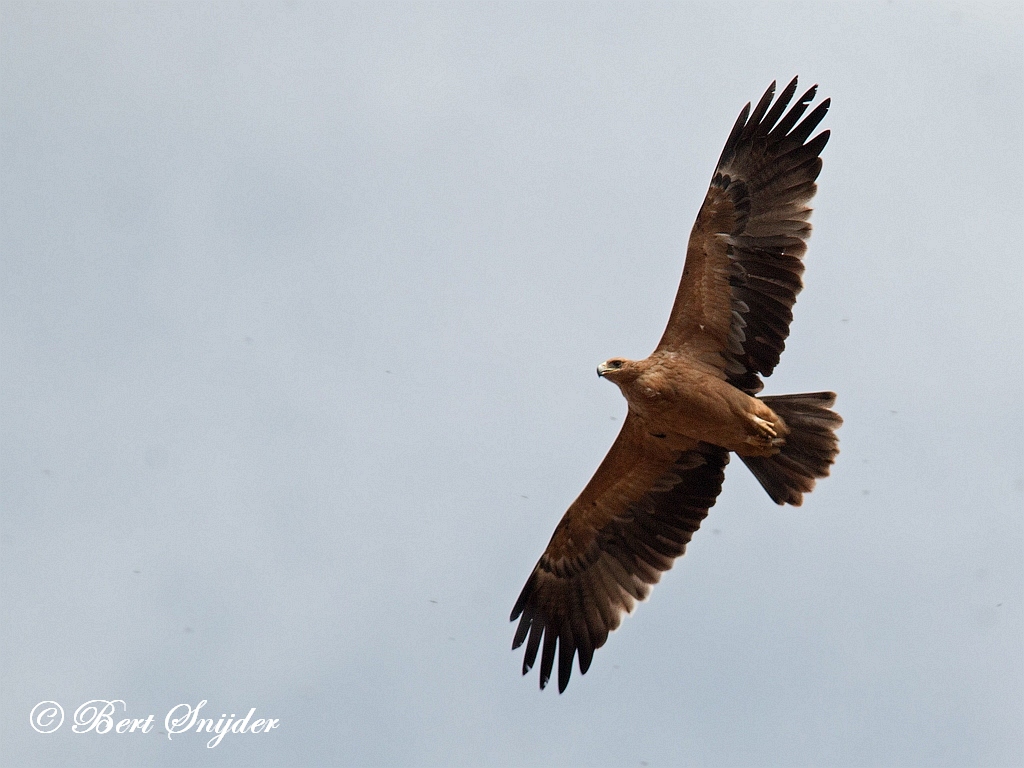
(695, 400)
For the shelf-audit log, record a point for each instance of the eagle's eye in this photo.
(615, 363)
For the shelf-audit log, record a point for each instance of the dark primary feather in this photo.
(769, 172)
(578, 601)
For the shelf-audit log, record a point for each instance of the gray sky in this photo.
(300, 310)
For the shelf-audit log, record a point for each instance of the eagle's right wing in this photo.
(633, 519)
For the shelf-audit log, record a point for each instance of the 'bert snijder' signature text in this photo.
(100, 716)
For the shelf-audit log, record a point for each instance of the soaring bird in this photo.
(694, 400)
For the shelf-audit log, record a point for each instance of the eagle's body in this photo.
(685, 402)
(695, 400)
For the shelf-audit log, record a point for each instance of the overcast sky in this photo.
(301, 306)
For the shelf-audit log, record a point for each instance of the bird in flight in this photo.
(694, 399)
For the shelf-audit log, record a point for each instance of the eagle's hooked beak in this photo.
(603, 368)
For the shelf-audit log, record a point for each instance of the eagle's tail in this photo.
(811, 446)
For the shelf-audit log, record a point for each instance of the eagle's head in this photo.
(619, 370)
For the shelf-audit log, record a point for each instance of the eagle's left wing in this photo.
(744, 263)
(633, 519)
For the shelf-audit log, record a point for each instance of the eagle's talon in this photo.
(766, 431)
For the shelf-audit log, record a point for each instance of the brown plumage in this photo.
(693, 400)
